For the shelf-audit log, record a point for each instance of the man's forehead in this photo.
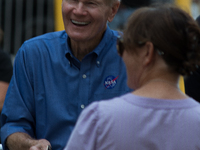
(100, 0)
(93, 0)
(106, 1)
(97, 1)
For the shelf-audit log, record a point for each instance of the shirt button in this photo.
(84, 76)
(82, 106)
(98, 62)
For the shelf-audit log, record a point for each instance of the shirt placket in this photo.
(84, 85)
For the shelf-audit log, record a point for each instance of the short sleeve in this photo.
(85, 132)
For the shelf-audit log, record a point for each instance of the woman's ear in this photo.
(114, 9)
(149, 54)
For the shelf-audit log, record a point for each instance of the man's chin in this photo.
(78, 37)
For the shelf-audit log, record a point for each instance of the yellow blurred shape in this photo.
(181, 84)
(58, 15)
(184, 4)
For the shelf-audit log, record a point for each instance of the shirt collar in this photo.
(106, 38)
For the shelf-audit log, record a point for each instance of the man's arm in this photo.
(22, 141)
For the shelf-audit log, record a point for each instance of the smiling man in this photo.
(58, 74)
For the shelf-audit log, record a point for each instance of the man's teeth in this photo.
(80, 23)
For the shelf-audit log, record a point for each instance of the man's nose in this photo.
(80, 9)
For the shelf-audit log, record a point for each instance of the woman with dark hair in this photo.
(160, 44)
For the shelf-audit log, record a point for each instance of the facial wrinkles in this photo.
(78, 13)
(90, 4)
(83, 7)
(97, 13)
(87, 3)
(94, 17)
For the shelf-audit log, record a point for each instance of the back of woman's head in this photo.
(173, 32)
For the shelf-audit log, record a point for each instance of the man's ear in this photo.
(114, 9)
(148, 53)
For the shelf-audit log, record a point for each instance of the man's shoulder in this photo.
(45, 43)
(116, 33)
(49, 36)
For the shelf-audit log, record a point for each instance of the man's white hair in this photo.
(115, 0)
(111, 2)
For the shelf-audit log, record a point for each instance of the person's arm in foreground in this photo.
(22, 141)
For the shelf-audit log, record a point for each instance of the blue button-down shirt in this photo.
(50, 87)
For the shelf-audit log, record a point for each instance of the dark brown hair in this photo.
(171, 30)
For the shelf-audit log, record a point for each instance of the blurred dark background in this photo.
(24, 19)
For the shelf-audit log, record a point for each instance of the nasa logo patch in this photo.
(110, 82)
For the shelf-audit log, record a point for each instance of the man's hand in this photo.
(41, 145)
(22, 141)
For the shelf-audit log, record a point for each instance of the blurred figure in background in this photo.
(127, 7)
(192, 82)
(5, 72)
(195, 8)
(160, 44)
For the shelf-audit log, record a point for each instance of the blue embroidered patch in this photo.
(110, 82)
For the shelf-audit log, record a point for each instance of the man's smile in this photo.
(79, 23)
